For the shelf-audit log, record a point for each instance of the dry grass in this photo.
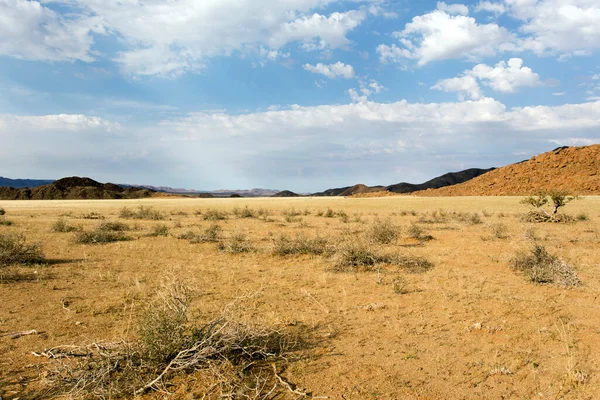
(301, 244)
(383, 231)
(14, 249)
(143, 212)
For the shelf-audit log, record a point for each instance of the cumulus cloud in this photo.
(488, 6)
(30, 31)
(170, 38)
(567, 27)
(440, 36)
(332, 71)
(453, 8)
(505, 77)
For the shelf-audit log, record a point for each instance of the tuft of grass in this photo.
(92, 215)
(210, 234)
(236, 243)
(63, 226)
(159, 230)
(2, 211)
(301, 244)
(499, 230)
(245, 212)
(399, 285)
(542, 267)
(582, 217)
(143, 212)
(383, 231)
(14, 249)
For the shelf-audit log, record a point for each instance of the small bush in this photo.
(237, 243)
(2, 211)
(499, 230)
(99, 236)
(14, 249)
(5, 222)
(399, 285)
(143, 212)
(210, 234)
(383, 231)
(582, 217)
(302, 244)
(329, 213)
(62, 226)
(214, 215)
(542, 267)
(113, 226)
(416, 232)
(244, 212)
(291, 219)
(92, 215)
(159, 230)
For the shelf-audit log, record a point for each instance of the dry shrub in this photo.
(383, 231)
(159, 230)
(214, 215)
(237, 359)
(113, 226)
(416, 232)
(99, 236)
(5, 222)
(143, 212)
(245, 212)
(499, 230)
(542, 267)
(2, 211)
(92, 215)
(301, 244)
(361, 255)
(210, 234)
(63, 226)
(540, 215)
(14, 249)
(236, 243)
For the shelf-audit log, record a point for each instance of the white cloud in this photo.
(559, 93)
(505, 77)
(460, 9)
(332, 71)
(30, 31)
(566, 27)
(170, 38)
(58, 122)
(496, 8)
(367, 88)
(439, 36)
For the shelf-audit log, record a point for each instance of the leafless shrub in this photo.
(159, 230)
(245, 212)
(113, 226)
(416, 232)
(542, 267)
(99, 236)
(210, 234)
(499, 230)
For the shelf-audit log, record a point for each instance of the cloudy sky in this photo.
(291, 94)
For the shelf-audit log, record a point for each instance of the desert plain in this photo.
(466, 325)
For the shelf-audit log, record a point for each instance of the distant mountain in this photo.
(451, 178)
(74, 188)
(207, 194)
(573, 169)
(24, 183)
(286, 193)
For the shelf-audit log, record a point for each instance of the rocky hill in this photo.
(286, 193)
(574, 169)
(451, 178)
(23, 183)
(74, 188)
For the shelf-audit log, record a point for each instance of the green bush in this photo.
(2, 211)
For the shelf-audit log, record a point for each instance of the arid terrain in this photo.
(400, 297)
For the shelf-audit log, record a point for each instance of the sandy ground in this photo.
(469, 328)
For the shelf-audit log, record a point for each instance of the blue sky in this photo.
(297, 94)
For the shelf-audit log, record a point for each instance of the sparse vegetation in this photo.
(245, 212)
(558, 198)
(542, 267)
(5, 222)
(499, 230)
(416, 232)
(143, 212)
(14, 249)
(113, 226)
(2, 211)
